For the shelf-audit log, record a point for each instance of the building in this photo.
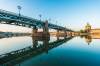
(92, 36)
(92, 30)
(87, 26)
(88, 40)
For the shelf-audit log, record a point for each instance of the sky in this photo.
(74, 14)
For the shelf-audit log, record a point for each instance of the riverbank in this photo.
(89, 33)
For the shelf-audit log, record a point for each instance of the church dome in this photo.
(88, 25)
(88, 42)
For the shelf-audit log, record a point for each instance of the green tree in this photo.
(1, 32)
(88, 37)
(85, 36)
(81, 31)
(81, 36)
(85, 31)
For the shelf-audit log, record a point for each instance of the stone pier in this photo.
(45, 32)
(62, 34)
(44, 40)
(69, 33)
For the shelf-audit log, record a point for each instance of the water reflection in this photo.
(23, 55)
(14, 35)
(89, 38)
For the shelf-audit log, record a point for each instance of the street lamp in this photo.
(49, 20)
(56, 22)
(60, 24)
(19, 10)
(40, 18)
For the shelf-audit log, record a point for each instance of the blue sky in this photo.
(73, 13)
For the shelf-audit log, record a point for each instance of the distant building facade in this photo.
(92, 30)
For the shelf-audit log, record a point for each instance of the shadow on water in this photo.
(22, 55)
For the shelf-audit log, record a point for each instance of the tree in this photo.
(81, 31)
(81, 36)
(85, 31)
(85, 36)
(1, 32)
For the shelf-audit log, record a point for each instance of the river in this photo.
(53, 51)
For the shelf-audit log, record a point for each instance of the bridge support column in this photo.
(35, 42)
(57, 31)
(46, 44)
(57, 38)
(45, 32)
(34, 30)
(62, 34)
(70, 34)
(73, 33)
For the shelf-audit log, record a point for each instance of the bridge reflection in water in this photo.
(22, 55)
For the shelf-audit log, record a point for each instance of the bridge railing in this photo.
(55, 25)
(11, 13)
(15, 14)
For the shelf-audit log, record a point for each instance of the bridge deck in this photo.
(10, 17)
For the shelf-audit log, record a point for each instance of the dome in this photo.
(88, 42)
(88, 25)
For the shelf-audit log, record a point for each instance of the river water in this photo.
(53, 51)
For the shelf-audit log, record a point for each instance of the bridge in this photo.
(22, 55)
(14, 19)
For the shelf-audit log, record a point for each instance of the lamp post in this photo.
(56, 22)
(40, 18)
(19, 10)
(49, 21)
(60, 24)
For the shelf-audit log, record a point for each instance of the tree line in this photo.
(84, 31)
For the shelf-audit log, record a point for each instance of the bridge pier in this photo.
(62, 34)
(46, 45)
(73, 33)
(69, 34)
(57, 38)
(45, 32)
(45, 42)
(63, 37)
(35, 42)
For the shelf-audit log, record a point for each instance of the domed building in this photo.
(93, 31)
(87, 26)
(88, 41)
